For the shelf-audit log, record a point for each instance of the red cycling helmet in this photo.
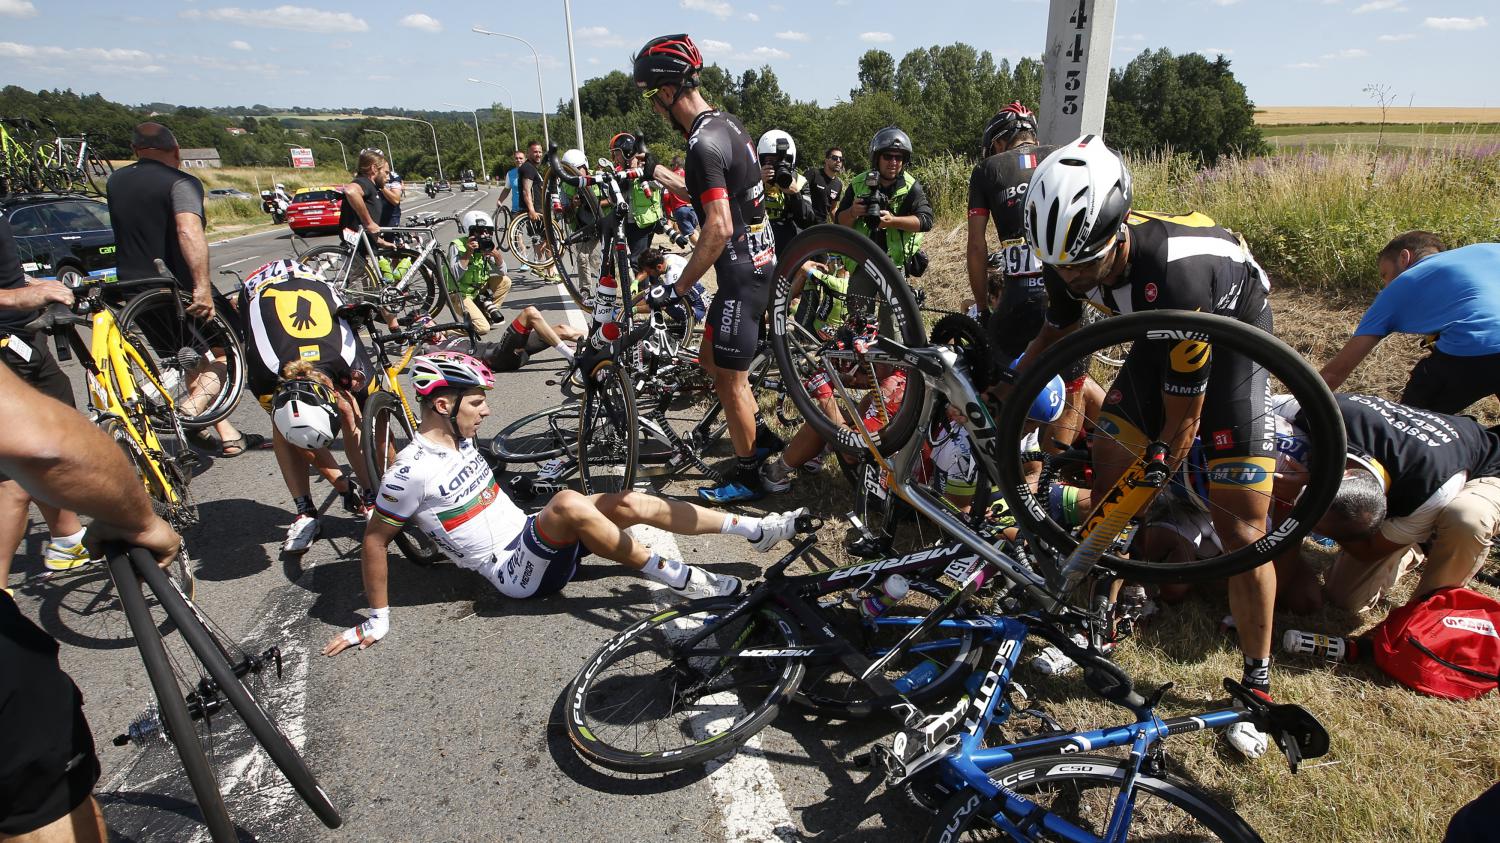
(1006, 124)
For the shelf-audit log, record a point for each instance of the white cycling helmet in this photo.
(477, 219)
(768, 143)
(574, 160)
(304, 413)
(1077, 201)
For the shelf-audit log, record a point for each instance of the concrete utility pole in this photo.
(546, 137)
(1075, 74)
(342, 154)
(573, 68)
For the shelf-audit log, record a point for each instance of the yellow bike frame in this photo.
(113, 392)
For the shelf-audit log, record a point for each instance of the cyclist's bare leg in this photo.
(353, 440)
(1082, 405)
(732, 388)
(84, 824)
(1240, 520)
(533, 320)
(599, 522)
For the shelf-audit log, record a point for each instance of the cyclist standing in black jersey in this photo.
(997, 192)
(1080, 225)
(723, 181)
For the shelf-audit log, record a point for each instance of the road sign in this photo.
(1075, 69)
(302, 158)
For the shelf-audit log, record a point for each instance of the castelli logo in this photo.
(1150, 292)
(1478, 626)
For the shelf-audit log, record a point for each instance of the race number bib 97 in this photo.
(761, 243)
(1017, 259)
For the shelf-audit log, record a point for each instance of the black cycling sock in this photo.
(1257, 675)
(747, 467)
(304, 504)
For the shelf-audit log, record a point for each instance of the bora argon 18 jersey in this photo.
(997, 189)
(721, 164)
(452, 497)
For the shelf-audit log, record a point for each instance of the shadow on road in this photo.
(620, 784)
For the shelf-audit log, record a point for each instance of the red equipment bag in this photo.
(1445, 645)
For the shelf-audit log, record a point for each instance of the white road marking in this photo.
(232, 263)
(751, 804)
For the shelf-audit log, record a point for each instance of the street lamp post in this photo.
(435, 150)
(541, 98)
(484, 173)
(390, 152)
(573, 69)
(514, 138)
(342, 154)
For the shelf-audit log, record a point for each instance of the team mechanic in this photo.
(723, 181)
(997, 192)
(1080, 225)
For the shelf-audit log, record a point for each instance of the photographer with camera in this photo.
(644, 215)
(483, 282)
(888, 205)
(788, 195)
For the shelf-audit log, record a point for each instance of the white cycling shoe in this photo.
(776, 527)
(1247, 740)
(701, 583)
(300, 536)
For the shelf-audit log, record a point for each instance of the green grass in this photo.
(1390, 128)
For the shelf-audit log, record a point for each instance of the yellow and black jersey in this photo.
(291, 318)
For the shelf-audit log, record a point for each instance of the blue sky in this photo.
(404, 53)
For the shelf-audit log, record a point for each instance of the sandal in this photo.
(247, 442)
(204, 438)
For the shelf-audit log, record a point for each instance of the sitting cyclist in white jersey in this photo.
(440, 484)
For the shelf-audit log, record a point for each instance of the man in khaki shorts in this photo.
(1420, 489)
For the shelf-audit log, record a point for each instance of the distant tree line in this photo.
(941, 96)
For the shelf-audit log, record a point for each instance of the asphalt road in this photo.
(448, 729)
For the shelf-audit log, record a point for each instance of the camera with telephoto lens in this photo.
(783, 172)
(875, 200)
(485, 238)
(679, 239)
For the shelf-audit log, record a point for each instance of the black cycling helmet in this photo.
(889, 139)
(668, 60)
(627, 143)
(1009, 122)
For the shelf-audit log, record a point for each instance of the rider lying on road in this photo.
(440, 484)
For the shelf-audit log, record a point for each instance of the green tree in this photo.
(1187, 103)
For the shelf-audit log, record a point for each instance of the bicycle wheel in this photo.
(340, 267)
(177, 478)
(96, 172)
(211, 647)
(200, 362)
(171, 703)
(1081, 792)
(639, 707)
(608, 436)
(937, 663)
(1238, 349)
(1107, 361)
(538, 437)
(385, 431)
(528, 242)
(502, 225)
(888, 390)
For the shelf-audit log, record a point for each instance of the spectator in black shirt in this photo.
(364, 206)
(530, 183)
(826, 187)
(21, 300)
(157, 212)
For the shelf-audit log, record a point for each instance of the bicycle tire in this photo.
(537, 437)
(115, 429)
(952, 653)
(1324, 427)
(158, 325)
(608, 436)
(790, 339)
(254, 716)
(569, 246)
(527, 240)
(171, 705)
(383, 417)
(776, 630)
(503, 217)
(965, 815)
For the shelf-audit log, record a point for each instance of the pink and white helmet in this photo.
(449, 369)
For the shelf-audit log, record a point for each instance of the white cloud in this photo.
(1304, 65)
(300, 18)
(718, 8)
(876, 37)
(240, 45)
(752, 17)
(1351, 53)
(1405, 36)
(17, 9)
(593, 60)
(598, 36)
(770, 53)
(117, 59)
(1211, 52)
(793, 35)
(1379, 6)
(426, 23)
(709, 45)
(1456, 24)
(241, 67)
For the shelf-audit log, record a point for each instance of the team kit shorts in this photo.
(533, 565)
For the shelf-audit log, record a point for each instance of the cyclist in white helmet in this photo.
(440, 484)
(1079, 223)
